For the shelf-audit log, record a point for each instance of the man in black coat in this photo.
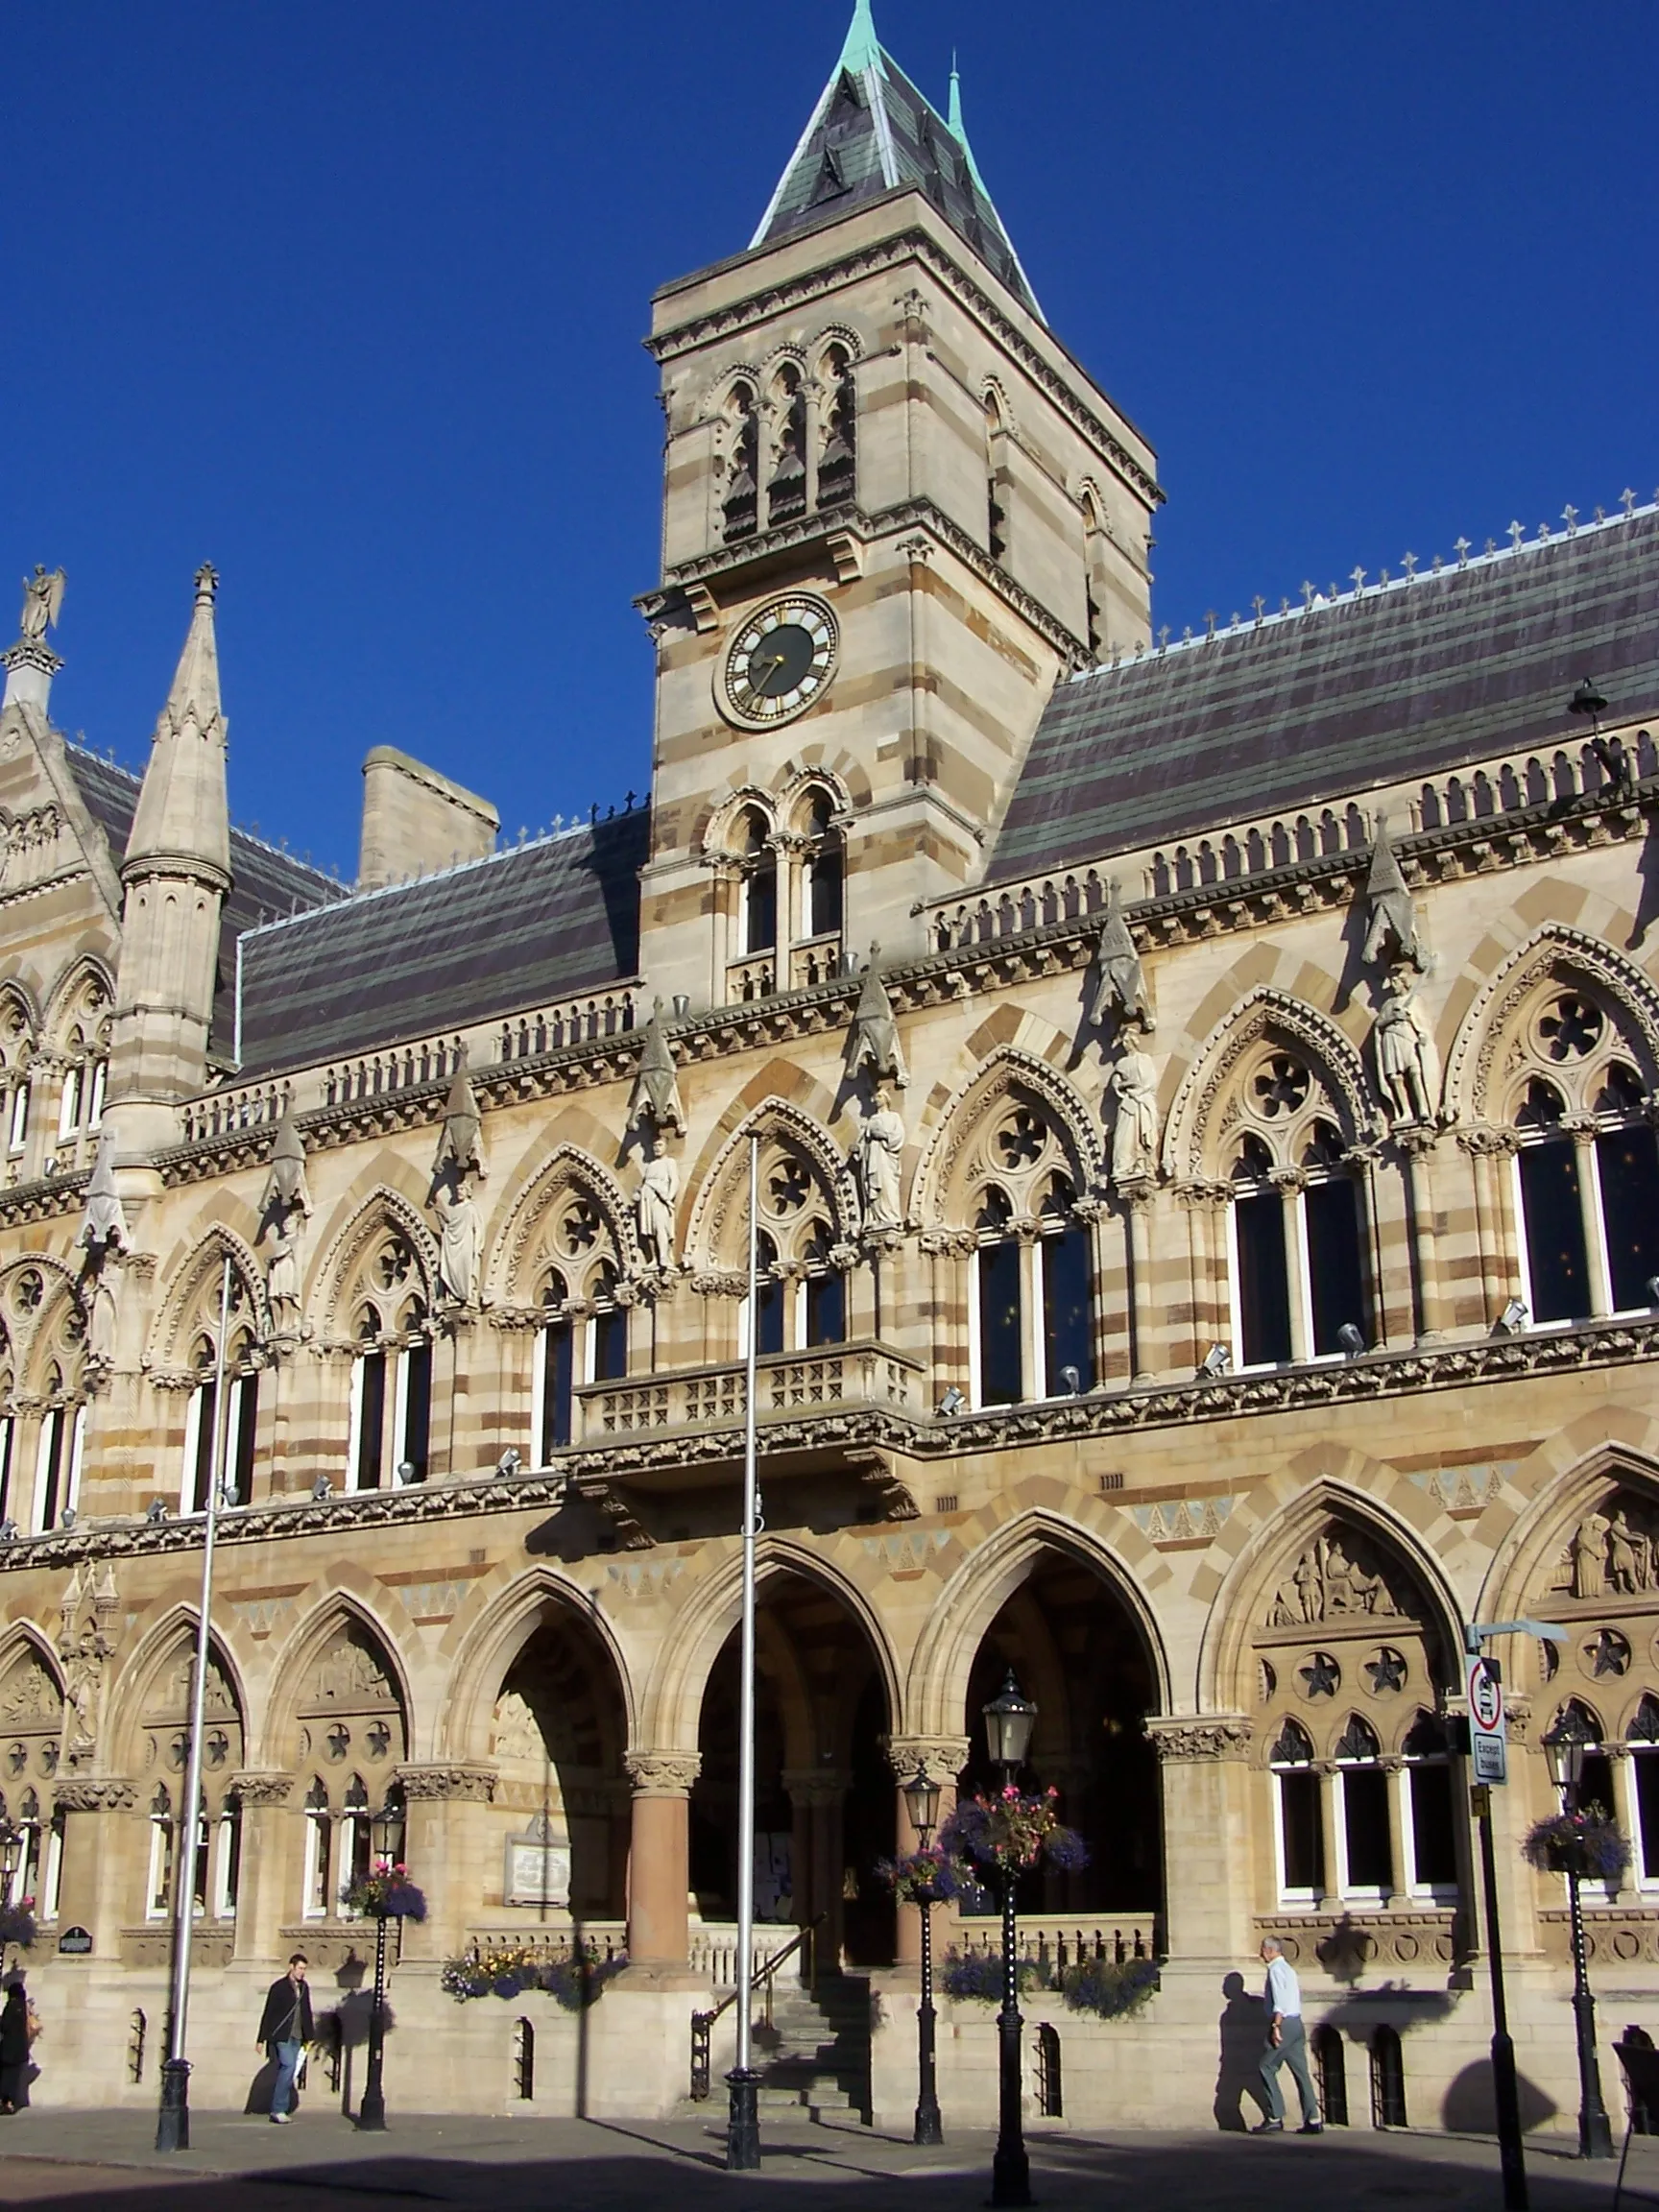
(284, 2030)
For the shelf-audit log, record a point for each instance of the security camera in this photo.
(509, 1462)
(156, 1512)
(1653, 1289)
(1217, 1360)
(321, 1488)
(953, 1401)
(7, 1531)
(66, 1519)
(1514, 1317)
(1071, 1379)
(405, 1473)
(1350, 1339)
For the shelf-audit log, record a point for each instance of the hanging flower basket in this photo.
(18, 1924)
(1009, 1832)
(512, 1969)
(386, 1895)
(1587, 1844)
(930, 1876)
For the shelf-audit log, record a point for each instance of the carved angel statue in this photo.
(654, 1206)
(655, 1088)
(878, 1151)
(43, 597)
(872, 1043)
(1134, 1084)
(102, 1224)
(1407, 1065)
(1119, 982)
(1391, 933)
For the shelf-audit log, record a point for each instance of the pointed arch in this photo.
(1003, 1072)
(936, 1686)
(196, 1276)
(1262, 1015)
(382, 1209)
(333, 1611)
(1554, 953)
(134, 1685)
(1559, 1502)
(565, 1168)
(507, 1623)
(86, 974)
(718, 1188)
(23, 1639)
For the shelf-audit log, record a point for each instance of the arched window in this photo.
(768, 1300)
(825, 862)
(757, 883)
(609, 1334)
(1429, 1824)
(355, 1847)
(995, 479)
(158, 1893)
(838, 460)
(228, 1859)
(1595, 1776)
(201, 1411)
(1365, 1873)
(822, 1318)
(1387, 2079)
(553, 1394)
(319, 1856)
(1031, 1291)
(16, 1058)
(1330, 2072)
(1066, 1261)
(786, 486)
(1643, 1737)
(800, 1289)
(59, 1453)
(1586, 1170)
(7, 1428)
(740, 503)
(390, 1415)
(1299, 1831)
(1000, 1335)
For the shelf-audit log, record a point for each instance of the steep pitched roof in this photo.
(265, 883)
(535, 922)
(871, 131)
(1419, 675)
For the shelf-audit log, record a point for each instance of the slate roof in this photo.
(1415, 678)
(535, 922)
(266, 883)
(871, 131)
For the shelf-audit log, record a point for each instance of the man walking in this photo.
(1286, 2041)
(284, 2030)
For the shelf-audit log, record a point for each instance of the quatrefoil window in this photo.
(579, 1230)
(788, 1188)
(1280, 1088)
(30, 1292)
(394, 1263)
(1021, 1140)
(1569, 1027)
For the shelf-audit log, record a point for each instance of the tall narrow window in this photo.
(1067, 1263)
(787, 487)
(740, 503)
(760, 885)
(1330, 1213)
(1364, 1787)
(69, 1102)
(51, 1891)
(837, 463)
(229, 1860)
(1627, 1178)
(555, 1371)
(768, 1300)
(1643, 1737)
(1301, 1832)
(995, 497)
(368, 1421)
(1430, 1822)
(8, 1441)
(1546, 1166)
(610, 1330)
(1264, 1283)
(19, 1127)
(244, 1432)
(161, 1882)
(319, 1836)
(355, 1854)
(412, 1443)
(51, 1467)
(1001, 1307)
(823, 1292)
(823, 872)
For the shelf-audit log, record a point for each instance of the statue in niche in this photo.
(42, 601)
(873, 1042)
(1407, 1067)
(1391, 934)
(350, 1676)
(1134, 1084)
(877, 1152)
(100, 1283)
(1629, 1556)
(460, 1236)
(1120, 981)
(1327, 1583)
(1589, 1554)
(282, 1274)
(285, 1203)
(654, 1206)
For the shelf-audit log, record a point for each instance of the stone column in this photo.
(1489, 1148)
(942, 1758)
(90, 1894)
(1291, 1182)
(1205, 1778)
(1583, 1131)
(1137, 1197)
(1417, 1143)
(446, 1844)
(268, 1892)
(659, 1862)
(1628, 1812)
(1330, 1837)
(1399, 1887)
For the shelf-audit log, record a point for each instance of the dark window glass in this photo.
(999, 1377)
(202, 1473)
(611, 1344)
(1263, 1285)
(1365, 1826)
(1336, 1270)
(53, 1468)
(418, 1407)
(556, 1380)
(826, 1309)
(1647, 1810)
(5, 1444)
(1628, 1162)
(1331, 2069)
(824, 895)
(769, 1303)
(1595, 1781)
(372, 1425)
(1554, 1232)
(762, 908)
(247, 1417)
(1433, 1846)
(1300, 1828)
(1068, 1332)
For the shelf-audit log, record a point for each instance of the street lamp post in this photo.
(372, 2111)
(1564, 1747)
(1009, 1720)
(921, 1798)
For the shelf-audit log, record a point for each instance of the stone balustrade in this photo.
(790, 1385)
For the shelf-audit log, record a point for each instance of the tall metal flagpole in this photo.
(173, 2121)
(743, 2127)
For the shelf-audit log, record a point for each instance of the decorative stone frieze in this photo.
(941, 1758)
(661, 1773)
(261, 1788)
(1189, 1742)
(475, 1785)
(94, 1793)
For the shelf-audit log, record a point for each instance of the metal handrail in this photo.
(703, 2023)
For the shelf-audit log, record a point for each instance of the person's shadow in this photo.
(1243, 2037)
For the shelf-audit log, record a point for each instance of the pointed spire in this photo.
(655, 1088)
(285, 1185)
(1391, 933)
(183, 812)
(959, 130)
(873, 1040)
(460, 1141)
(861, 49)
(102, 1224)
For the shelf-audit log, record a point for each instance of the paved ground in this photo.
(104, 2160)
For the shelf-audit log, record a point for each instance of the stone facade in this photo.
(1201, 1275)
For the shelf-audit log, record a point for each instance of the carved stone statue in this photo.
(103, 1225)
(460, 1141)
(655, 1088)
(876, 1156)
(1391, 933)
(1589, 1549)
(1119, 982)
(1407, 1066)
(282, 1270)
(653, 1206)
(1326, 1583)
(872, 1043)
(285, 1185)
(1629, 1556)
(100, 1285)
(43, 597)
(460, 1237)
(1134, 1084)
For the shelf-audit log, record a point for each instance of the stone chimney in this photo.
(415, 819)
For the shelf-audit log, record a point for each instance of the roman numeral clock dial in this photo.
(781, 660)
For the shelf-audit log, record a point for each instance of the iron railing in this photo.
(703, 2023)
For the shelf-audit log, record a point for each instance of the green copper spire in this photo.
(959, 130)
(862, 49)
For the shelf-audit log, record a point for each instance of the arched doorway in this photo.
(825, 1804)
(1075, 1648)
(556, 1735)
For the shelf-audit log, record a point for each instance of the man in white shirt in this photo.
(1286, 2042)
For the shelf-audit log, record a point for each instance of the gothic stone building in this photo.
(1207, 1256)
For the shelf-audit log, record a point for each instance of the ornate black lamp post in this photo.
(921, 1798)
(1009, 1720)
(385, 1830)
(1564, 1747)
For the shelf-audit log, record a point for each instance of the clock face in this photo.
(778, 662)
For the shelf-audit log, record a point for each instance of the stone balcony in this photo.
(830, 1379)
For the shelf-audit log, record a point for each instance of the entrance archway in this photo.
(825, 1806)
(557, 1734)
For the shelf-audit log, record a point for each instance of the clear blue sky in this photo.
(348, 298)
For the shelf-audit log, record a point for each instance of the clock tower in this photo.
(895, 514)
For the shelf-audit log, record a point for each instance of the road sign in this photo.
(1488, 1731)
